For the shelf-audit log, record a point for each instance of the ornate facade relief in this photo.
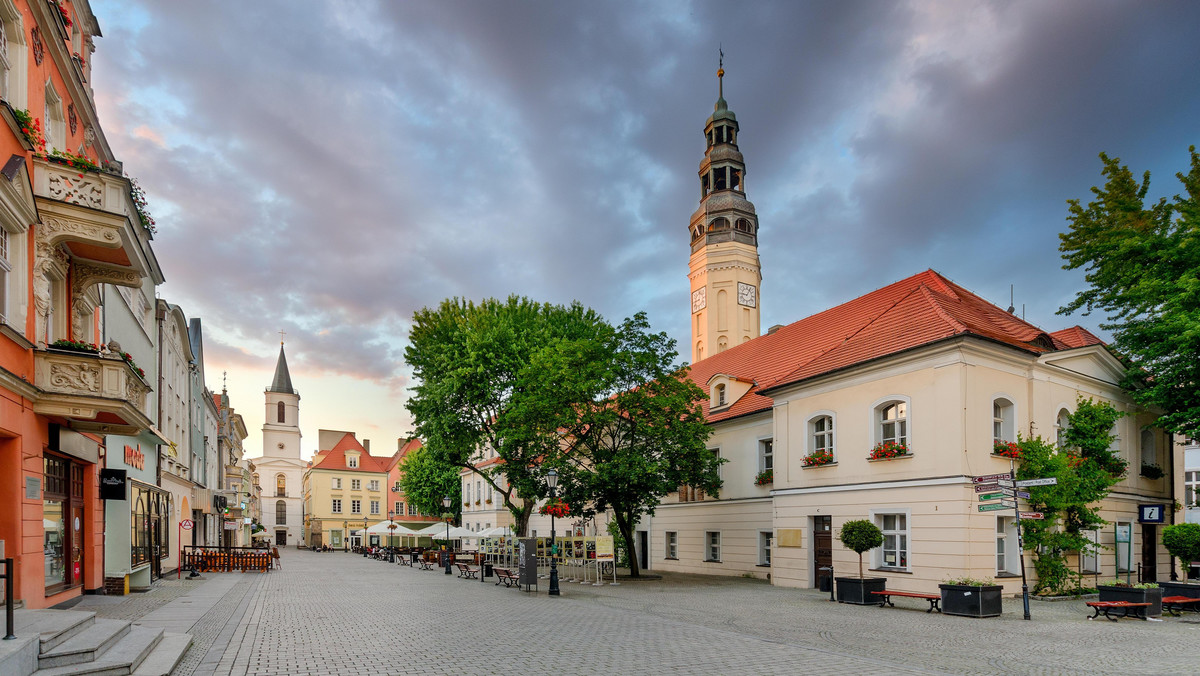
(83, 191)
(84, 301)
(84, 377)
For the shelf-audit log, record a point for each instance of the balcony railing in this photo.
(96, 393)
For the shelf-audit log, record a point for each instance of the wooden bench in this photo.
(1128, 609)
(885, 598)
(507, 576)
(424, 564)
(1176, 604)
(465, 571)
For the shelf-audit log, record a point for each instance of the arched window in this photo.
(891, 422)
(719, 392)
(743, 225)
(718, 224)
(1062, 424)
(56, 121)
(820, 434)
(1003, 421)
(279, 411)
(281, 485)
(280, 512)
(12, 55)
(1149, 447)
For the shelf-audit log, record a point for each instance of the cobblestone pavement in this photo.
(343, 614)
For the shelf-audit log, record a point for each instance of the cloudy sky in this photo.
(327, 168)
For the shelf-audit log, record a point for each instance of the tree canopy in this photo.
(1142, 263)
(426, 481)
(479, 383)
(629, 422)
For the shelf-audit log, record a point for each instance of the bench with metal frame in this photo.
(885, 598)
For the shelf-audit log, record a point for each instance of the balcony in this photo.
(93, 393)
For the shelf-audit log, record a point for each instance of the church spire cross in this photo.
(720, 73)
(281, 335)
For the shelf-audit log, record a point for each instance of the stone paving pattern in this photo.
(342, 614)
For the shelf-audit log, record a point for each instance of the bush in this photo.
(859, 536)
(969, 582)
(1182, 541)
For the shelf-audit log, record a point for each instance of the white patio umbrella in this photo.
(381, 528)
(497, 532)
(433, 531)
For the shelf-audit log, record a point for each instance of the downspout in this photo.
(158, 321)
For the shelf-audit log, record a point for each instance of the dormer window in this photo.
(352, 461)
(720, 395)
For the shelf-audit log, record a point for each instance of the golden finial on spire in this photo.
(281, 335)
(720, 72)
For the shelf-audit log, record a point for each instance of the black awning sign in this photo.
(113, 484)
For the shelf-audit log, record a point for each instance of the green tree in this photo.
(426, 481)
(630, 425)
(1182, 540)
(860, 536)
(1142, 265)
(1086, 469)
(478, 383)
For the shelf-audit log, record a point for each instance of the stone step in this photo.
(53, 627)
(166, 655)
(120, 660)
(87, 645)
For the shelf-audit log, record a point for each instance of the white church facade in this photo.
(280, 471)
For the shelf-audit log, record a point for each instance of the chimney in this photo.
(773, 329)
(367, 445)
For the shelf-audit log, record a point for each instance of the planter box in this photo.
(971, 601)
(858, 592)
(1188, 589)
(1133, 595)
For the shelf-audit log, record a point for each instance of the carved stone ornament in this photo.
(39, 50)
(71, 119)
(75, 189)
(75, 377)
(89, 135)
(58, 230)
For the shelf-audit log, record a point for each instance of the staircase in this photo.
(62, 642)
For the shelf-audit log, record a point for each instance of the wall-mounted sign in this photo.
(33, 488)
(1150, 513)
(113, 484)
(134, 457)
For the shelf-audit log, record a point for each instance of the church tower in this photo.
(281, 432)
(724, 271)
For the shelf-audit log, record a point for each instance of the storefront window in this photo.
(55, 542)
(62, 520)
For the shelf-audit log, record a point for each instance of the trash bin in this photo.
(486, 572)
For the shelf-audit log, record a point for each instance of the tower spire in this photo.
(721, 74)
(283, 380)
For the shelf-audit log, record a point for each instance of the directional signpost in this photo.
(986, 488)
(992, 507)
(1003, 487)
(1034, 516)
(1049, 481)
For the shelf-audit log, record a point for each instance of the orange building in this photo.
(70, 223)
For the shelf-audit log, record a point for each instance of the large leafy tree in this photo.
(1142, 263)
(628, 425)
(478, 387)
(426, 481)
(1086, 469)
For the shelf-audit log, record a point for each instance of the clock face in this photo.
(747, 294)
(699, 299)
(280, 444)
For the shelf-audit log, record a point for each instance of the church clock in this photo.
(747, 295)
(699, 299)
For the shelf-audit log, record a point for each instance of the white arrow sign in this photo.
(1048, 481)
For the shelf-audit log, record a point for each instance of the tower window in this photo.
(279, 411)
(719, 180)
(743, 225)
(718, 224)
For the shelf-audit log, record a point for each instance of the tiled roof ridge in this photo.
(958, 326)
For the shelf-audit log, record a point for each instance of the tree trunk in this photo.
(626, 529)
(860, 570)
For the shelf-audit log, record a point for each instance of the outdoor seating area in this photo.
(885, 598)
(230, 559)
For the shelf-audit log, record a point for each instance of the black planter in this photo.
(1134, 595)
(858, 592)
(971, 600)
(1188, 589)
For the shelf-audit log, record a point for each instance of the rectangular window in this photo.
(1191, 489)
(352, 462)
(337, 506)
(399, 509)
(337, 483)
(335, 538)
(374, 485)
(1089, 559)
(672, 545)
(356, 506)
(1007, 552)
(894, 552)
(717, 453)
(1124, 545)
(764, 548)
(356, 484)
(374, 506)
(412, 509)
(766, 455)
(713, 539)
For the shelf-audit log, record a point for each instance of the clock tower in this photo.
(724, 268)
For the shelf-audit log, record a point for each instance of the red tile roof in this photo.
(912, 312)
(335, 458)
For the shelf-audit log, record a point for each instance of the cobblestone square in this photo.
(344, 614)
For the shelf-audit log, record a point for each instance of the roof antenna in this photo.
(1012, 310)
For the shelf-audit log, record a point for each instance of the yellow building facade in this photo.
(345, 492)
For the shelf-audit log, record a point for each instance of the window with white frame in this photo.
(764, 548)
(1003, 420)
(713, 549)
(1008, 561)
(891, 422)
(720, 394)
(337, 483)
(398, 509)
(412, 509)
(356, 484)
(1191, 489)
(717, 454)
(467, 492)
(374, 506)
(373, 485)
(337, 506)
(766, 454)
(1089, 558)
(672, 548)
(894, 551)
(56, 121)
(5, 269)
(1124, 545)
(1149, 447)
(820, 434)
(1061, 425)
(12, 56)
(356, 506)
(352, 461)
(478, 491)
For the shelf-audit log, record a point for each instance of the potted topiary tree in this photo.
(860, 536)
(971, 598)
(1139, 592)
(1182, 541)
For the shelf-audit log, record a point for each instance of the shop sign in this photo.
(134, 457)
(112, 484)
(231, 525)
(1150, 513)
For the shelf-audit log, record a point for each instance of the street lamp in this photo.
(345, 536)
(391, 533)
(446, 547)
(552, 482)
(362, 541)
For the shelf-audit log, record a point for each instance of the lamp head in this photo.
(552, 479)
(446, 502)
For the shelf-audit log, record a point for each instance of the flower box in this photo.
(1006, 449)
(818, 458)
(1188, 589)
(764, 477)
(1153, 596)
(972, 600)
(889, 450)
(858, 591)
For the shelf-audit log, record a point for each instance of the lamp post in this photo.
(552, 482)
(446, 547)
(345, 535)
(362, 541)
(391, 533)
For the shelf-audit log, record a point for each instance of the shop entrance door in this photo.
(1149, 551)
(822, 552)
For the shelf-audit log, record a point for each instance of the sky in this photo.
(326, 169)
